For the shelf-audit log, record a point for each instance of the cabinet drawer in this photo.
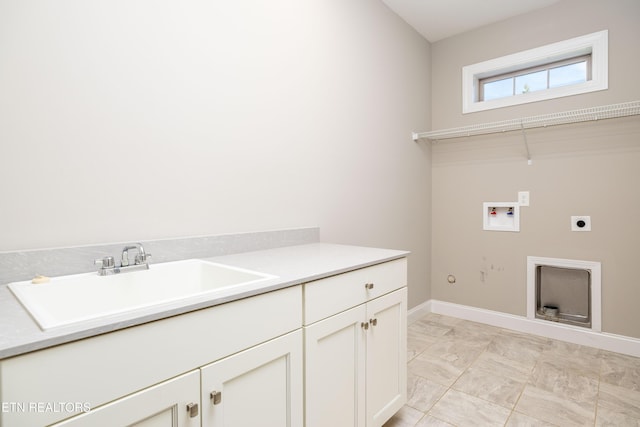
(326, 297)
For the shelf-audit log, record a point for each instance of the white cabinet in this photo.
(335, 370)
(386, 356)
(245, 363)
(355, 370)
(139, 361)
(173, 403)
(261, 386)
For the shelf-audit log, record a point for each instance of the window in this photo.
(560, 73)
(571, 67)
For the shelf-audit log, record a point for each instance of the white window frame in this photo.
(595, 44)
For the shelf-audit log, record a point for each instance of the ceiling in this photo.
(439, 19)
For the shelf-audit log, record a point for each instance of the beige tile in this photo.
(551, 382)
(553, 409)
(520, 420)
(529, 340)
(430, 328)
(522, 348)
(444, 361)
(490, 386)
(580, 358)
(620, 400)
(461, 409)
(514, 369)
(429, 421)
(569, 349)
(417, 342)
(441, 319)
(610, 418)
(422, 393)
(472, 333)
(477, 327)
(621, 370)
(405, 417)
(553, 375)
(623, 359)
(456, 352)
(434, 369)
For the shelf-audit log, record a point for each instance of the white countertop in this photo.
(293, 265)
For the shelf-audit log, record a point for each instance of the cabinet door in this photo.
(334, 370)
(163, 405)
(261, 386)
(386, 356)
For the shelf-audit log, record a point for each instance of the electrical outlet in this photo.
(523, 198)
(580, 223)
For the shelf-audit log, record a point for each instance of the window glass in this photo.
(568, 74)
(498, 89)
(560, 73)
(531, 82)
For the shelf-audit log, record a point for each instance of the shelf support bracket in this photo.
(526, 144)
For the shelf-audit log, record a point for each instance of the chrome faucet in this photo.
(141, 257)
(141, 261)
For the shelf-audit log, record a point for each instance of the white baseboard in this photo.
(558, 331)
(418, 311)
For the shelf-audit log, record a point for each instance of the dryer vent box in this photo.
(501, 216)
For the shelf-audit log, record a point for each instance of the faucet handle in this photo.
(142, 258)
(106, 262)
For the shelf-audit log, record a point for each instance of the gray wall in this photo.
(587, 169)
(145, 119)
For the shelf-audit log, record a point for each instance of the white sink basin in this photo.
(67, 300)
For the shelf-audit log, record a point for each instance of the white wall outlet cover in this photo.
(580, 223)
(523, 198)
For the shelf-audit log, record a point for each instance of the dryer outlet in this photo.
(580, 223)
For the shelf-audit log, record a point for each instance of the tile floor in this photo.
(462, 373)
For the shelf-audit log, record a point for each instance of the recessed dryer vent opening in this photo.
(564, 291)
(563, 295)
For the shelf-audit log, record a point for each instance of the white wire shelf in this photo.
(583, 115)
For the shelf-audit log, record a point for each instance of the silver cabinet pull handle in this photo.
(364, 325)
(368, 285)
(373, 321)
(216, 397)
(192, 409)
